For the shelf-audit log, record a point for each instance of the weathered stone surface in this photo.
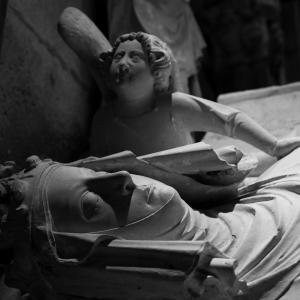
(44, 88)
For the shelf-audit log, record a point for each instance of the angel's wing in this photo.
(84, 37)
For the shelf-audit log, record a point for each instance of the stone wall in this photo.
(44, 88)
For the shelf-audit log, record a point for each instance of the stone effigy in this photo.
(80, 233)
(127, 269)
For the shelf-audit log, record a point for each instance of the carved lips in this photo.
(122, 75)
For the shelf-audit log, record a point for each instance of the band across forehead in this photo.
(26, 201)
(36, 192)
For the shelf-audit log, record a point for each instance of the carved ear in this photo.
(83, 36)
(158, 56)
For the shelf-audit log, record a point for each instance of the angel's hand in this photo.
(285, 146)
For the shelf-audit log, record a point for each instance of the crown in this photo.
(20, 195)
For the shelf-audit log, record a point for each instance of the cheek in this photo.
(142, 205)
(143, 73)
(139, 211)
(106, 219)
(73, 220)
(142, 68)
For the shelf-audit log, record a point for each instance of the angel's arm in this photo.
(205, 115)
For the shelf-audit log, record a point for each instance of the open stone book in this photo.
(200, 161)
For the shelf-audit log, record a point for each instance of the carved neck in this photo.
(132, 103)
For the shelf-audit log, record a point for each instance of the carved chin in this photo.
(121, 78)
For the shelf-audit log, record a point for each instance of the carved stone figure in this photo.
(84, 233)
(142, 111)
(173, 22)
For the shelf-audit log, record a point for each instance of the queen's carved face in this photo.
(130, 67)
(82, 200)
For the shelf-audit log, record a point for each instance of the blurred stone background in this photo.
(45, 91)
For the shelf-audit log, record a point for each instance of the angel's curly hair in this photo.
(160, 58)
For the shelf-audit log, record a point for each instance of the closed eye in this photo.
(137, 55)
(91, 205)
(118, 55)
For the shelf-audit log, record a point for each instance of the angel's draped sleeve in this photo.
(204, 115)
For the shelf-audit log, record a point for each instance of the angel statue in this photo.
(143, 109)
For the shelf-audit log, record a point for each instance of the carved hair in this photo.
(160, 58)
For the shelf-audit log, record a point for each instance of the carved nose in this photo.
(124, 184)
(123, 68)
(112, 185)
(116, 190)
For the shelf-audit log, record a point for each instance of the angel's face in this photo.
(130, 66)
(82, 200)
